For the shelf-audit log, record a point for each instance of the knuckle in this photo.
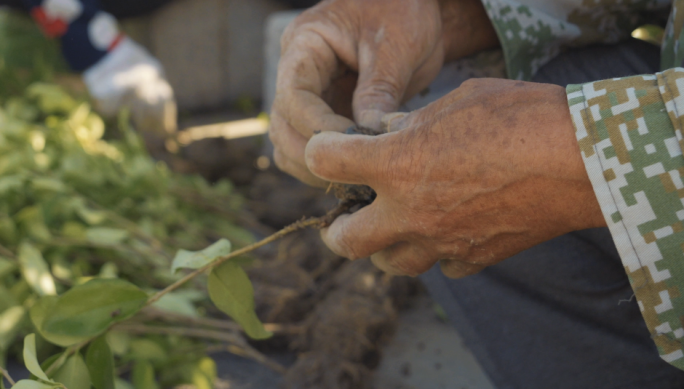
(289, 32)
(471, 84)
(383, 91)
(274, 135)
(280, 161)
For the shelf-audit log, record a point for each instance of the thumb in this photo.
(349, 159)
(382, 81)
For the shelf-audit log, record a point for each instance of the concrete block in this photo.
(212, 50)
(185, 36)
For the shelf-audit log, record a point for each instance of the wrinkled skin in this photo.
(483, 173)
(359, 59)
(489, 170)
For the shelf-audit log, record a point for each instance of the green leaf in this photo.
(88, 215)
(148, 350)
(6, 267)
(232, 292)
(32, 221)
(8, 230)
(100, 362)
(9, 183)
(89, 309)
(176, 303)
(122, 384)
(8, 300)
(196, 259)
(74, 373)
(39, 311)
(35, 270)
(119, 342)
(106, 235)
(143, 376)
(109, 270)
(10, 323)
(204, 373)
(29, 384)
(47, 364)
(48, 184)
(30, 359)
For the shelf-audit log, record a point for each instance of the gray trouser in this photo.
(561, 314)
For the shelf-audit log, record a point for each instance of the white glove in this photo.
(130, 77)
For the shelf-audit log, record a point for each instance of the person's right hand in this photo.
(395, 48)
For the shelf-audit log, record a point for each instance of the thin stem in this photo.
(67, 353)
(5, 374)
(158, 314)
(233, 339)
(287, 230)
(233, 349)
(154, 243)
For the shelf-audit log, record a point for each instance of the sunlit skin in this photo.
(487, 171)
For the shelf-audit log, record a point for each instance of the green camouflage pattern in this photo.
(630, 134)
(532, 32)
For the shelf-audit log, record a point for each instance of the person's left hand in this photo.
(130, 77)
(487, 171)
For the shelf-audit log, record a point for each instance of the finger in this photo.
(289, 149)
(403, 259)
(298, 172)
(288, 141)
(360, 234)
(459, 269)
(306, 70)
(424, 75)
(381, 85)
(349, 159)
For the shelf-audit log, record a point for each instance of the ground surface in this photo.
(425, 353)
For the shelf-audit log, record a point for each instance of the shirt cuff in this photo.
(630, 134)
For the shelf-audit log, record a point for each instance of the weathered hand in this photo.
(487, 171)
(380, 51)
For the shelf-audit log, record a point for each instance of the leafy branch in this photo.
(280, 234)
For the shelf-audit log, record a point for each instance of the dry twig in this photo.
(5, 374)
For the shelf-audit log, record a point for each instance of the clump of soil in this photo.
(343, 335)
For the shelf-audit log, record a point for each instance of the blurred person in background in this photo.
(117, 71)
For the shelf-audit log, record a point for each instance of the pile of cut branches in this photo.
(89, 228)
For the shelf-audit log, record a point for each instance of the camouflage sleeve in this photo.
(630, 134)
(532, 32)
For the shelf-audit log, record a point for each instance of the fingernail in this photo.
(392, 118)
(371, 118)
